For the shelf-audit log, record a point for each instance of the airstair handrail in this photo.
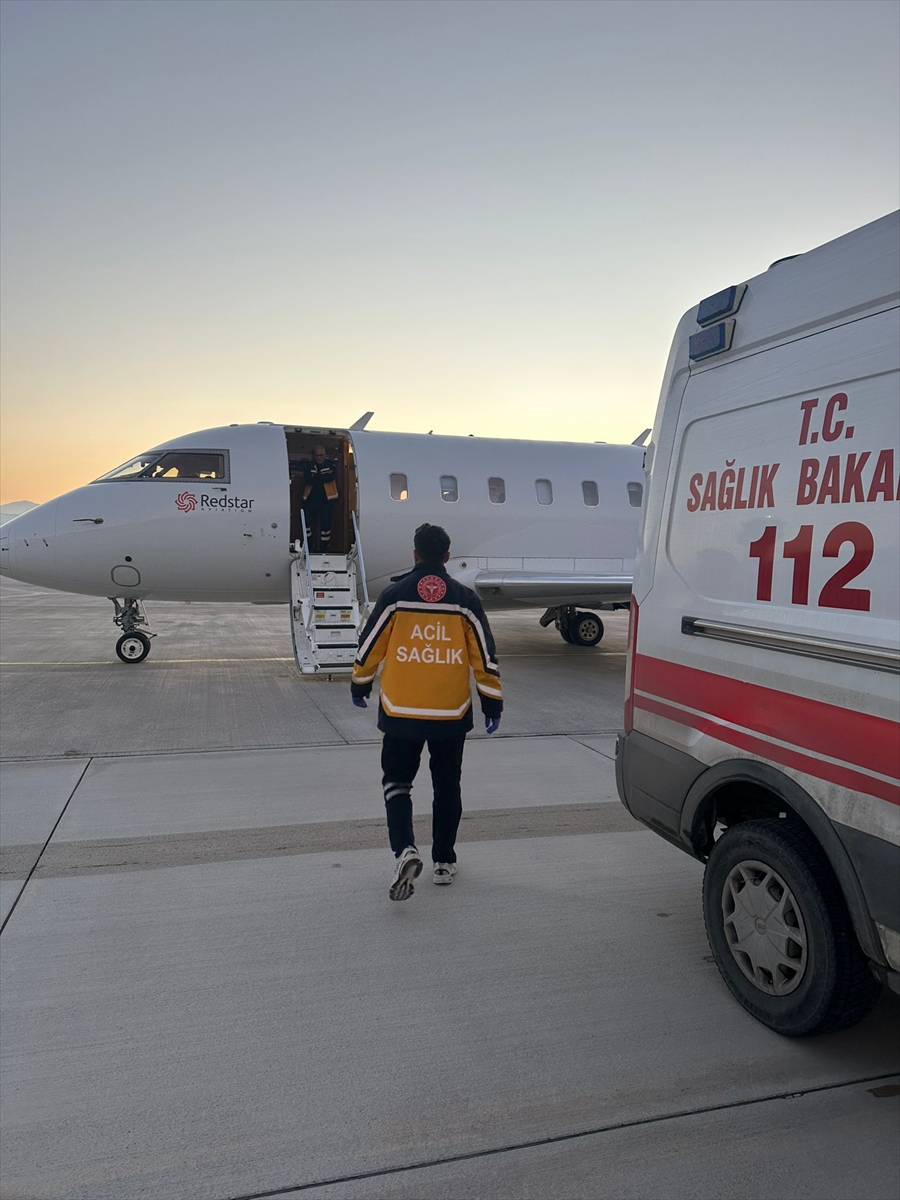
(309, 581)
(359, 558)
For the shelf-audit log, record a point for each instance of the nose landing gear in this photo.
(134, 645)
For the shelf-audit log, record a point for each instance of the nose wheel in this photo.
(134, 645)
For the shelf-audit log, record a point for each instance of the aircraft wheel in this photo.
(133, 647)
(585, 629)
(564, 633)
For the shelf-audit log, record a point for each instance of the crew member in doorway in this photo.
(428, 632)
(319, 497)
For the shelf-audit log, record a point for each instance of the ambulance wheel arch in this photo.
(741, 790)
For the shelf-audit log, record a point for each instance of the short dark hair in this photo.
(431, 543)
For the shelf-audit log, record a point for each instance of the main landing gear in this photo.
(134, 645)
(576, 628)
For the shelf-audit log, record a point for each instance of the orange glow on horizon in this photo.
(51, 448)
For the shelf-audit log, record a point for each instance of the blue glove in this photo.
(491, 724)
(360, 701)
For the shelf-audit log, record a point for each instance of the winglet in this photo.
(638, 441)
(367, 417)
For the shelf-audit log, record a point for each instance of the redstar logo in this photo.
(432, 588)
(186, 502)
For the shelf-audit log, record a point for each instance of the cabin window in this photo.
(496, 490)
(449, 489)
(589, 493)
(399, 487)
(543, 489)
(635, 494)
(173, 465)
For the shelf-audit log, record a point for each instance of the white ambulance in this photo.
(763, 686)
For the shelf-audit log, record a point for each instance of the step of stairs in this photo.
(327, 612)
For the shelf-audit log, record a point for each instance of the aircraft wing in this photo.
(551, 588)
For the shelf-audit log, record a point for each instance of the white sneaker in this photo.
(409, 867)
(443, 873)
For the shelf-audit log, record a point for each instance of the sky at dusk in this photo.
(472, 217)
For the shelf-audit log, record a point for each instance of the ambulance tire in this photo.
(133, 647)
(834, 988)
(585, 629)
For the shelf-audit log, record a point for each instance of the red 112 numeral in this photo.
(835, 593)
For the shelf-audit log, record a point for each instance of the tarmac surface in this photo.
(207, 993)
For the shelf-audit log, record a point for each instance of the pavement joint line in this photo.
(34, 867)
(342, 745)
(111, 662)
(174, 662)
(555, 1139)
(322, 711)
(92, 856)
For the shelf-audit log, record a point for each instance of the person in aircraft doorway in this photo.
(427, 633)
(319, 496)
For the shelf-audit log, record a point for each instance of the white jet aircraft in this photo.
(218, 516)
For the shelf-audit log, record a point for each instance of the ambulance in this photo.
(763, 669)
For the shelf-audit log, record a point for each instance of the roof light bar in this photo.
(714, 340)
(722, 304)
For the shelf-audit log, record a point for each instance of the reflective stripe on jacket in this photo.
(429, 634)
(320, 480)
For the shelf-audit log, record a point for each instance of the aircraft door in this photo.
(322, 489)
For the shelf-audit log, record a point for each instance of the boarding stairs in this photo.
(329, 606)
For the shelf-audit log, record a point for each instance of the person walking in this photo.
(427, 633)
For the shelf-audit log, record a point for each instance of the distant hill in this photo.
(8, 511)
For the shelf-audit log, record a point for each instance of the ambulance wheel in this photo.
(133, 647)
(585, 629)
(780, 932)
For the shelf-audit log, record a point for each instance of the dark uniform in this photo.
(319, 494)
(429, 632)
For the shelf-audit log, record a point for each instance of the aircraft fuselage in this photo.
(228, 538)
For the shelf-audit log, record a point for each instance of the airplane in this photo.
(218, 515)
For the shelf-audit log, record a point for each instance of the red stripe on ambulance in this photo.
(810, 725)
(831, 772)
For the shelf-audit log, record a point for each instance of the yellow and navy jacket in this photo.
(427, 632)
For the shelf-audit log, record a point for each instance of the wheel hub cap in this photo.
(764, 928)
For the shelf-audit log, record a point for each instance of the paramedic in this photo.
(427, 632)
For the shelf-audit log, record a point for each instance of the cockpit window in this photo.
(173, 465)
(130, 470)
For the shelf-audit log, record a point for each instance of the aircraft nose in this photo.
(26, 545)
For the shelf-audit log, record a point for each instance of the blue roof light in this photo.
(713, 340)
(722, 304)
